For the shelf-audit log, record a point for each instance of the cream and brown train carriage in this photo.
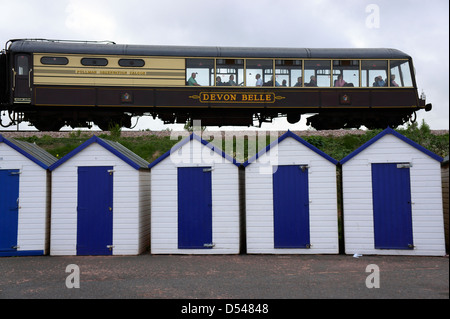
(54, 83)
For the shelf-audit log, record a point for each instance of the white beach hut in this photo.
(100, 201)
(291, 199)
(24, 198)
(195, 200)
(392, 198)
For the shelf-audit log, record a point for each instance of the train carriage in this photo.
(53, 83)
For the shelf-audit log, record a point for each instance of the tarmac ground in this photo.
(253, 278)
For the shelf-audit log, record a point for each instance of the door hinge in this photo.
(205, 170)
(404, 165)
(15, 173)
(111, 171)
(15, 247)
(303, 167)
(110, 247)
(209, 245)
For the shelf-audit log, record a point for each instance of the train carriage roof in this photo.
(70, 47)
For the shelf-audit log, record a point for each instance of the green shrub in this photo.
(150, 147)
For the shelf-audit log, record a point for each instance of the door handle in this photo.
(14, 208)
(14, 79)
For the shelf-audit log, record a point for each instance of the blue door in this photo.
(95, 210)
(194, 208)
(9, 209)
(391, 194)
(291, 206)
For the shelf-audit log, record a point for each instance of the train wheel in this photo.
(105, 124)
(48, 126)
(325, 122)
(293, 118)
(413, 117)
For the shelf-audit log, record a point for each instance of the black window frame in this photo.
(227, 67)
(131, 63)
(94, 61)
(22, 64)
(54, 60)
(196, 65)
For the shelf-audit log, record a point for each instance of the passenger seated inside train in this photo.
(192, 81)
(270, 83)
(259, 81)
(379, 81)
(312, 81)
(231, 81)
(299, 82)
(340, 82)
(393, 83)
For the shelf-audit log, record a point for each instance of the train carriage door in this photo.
(291, 206)
(95, 210)
(194, 208)
(9, 209)
(22, 78)
(392, 215)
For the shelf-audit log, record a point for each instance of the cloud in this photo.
(419, 28)
(90, 20)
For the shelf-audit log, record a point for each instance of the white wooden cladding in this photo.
(225, 200)
(145, 203)
(34, 199)
(322, 196)
(426, 198)
(131, 202)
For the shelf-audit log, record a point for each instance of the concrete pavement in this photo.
(253, 277)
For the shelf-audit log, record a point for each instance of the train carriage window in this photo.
(52, 60)
(229, 72)
(318, 73)
(400, 74)
(374, 73)
(199, 72)
(22, 65)
(288, 73)
(345, 73)
(133, 63)
(94, 62)
(259, 73)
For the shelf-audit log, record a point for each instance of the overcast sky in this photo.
(419, 28)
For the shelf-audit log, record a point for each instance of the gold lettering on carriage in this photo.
(110, 72)
(236, 97)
